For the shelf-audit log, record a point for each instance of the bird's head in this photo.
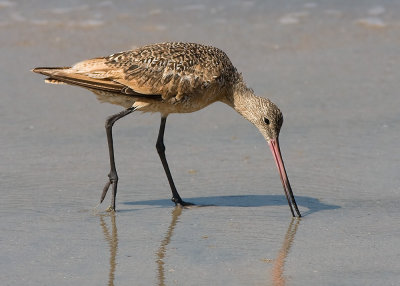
(267, 117)
(264, 114)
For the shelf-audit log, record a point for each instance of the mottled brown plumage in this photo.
(166, 78)
(172, 78)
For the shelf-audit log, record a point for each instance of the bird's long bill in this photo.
(274, 145)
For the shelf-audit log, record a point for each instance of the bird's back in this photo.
(173, 69)
(166, 69)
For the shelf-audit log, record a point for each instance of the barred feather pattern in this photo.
(174, 69)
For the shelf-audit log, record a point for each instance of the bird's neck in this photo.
(242, 99)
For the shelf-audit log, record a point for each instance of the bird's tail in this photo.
(62, 75)
(48, 71)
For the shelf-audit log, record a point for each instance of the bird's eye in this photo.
(266, 120)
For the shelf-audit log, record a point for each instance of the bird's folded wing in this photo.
(94, 80)
(165, 71)
(169, 69)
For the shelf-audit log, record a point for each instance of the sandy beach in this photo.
(331, 67)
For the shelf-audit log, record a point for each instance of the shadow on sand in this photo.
(313, 204)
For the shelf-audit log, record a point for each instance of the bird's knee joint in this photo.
(160, 147)
(109, 124)
(113, 177)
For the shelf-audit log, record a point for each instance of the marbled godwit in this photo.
(172, 78)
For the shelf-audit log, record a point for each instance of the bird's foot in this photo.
(181, 203)
(113, 180)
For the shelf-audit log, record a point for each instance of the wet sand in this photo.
(332, 68)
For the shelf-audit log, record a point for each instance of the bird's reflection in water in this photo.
(112, 239)
(176, 212)
(278, 279)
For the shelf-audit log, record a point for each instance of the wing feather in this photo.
(92, 81)
(164, 71)
(172, 69)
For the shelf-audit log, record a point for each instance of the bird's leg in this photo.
(161, 152)
(113, 177)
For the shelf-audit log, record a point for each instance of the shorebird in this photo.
(170, 78)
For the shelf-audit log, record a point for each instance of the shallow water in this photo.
(330, 66)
